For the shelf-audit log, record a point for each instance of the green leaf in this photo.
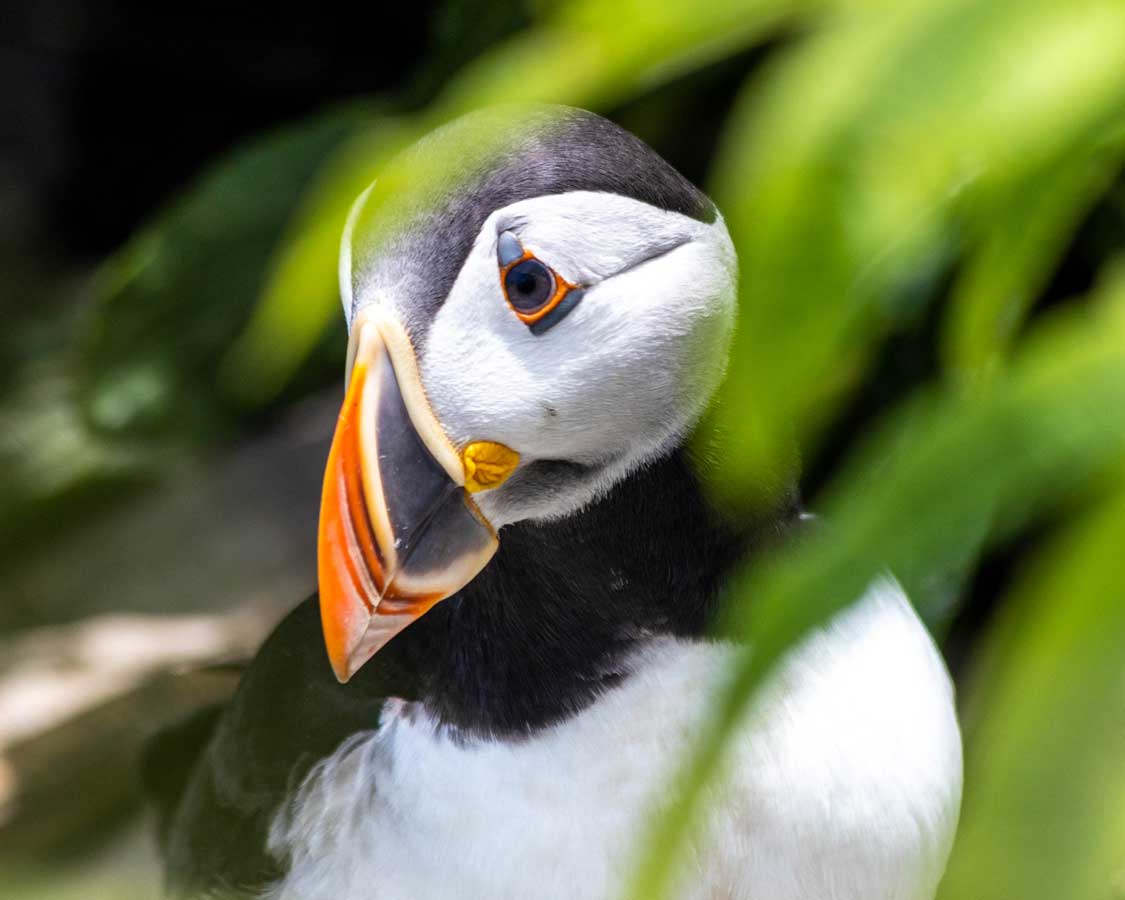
(1023, 232)
(844, 172)
(1044, 813)
(1033, 433)
(169, 304)
(300, 299)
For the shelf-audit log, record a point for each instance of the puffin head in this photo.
(551, 310)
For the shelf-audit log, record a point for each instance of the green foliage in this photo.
(886, 148)
(842, 192)
(1044, 814)
(1032, 436)
(170, 303)
(839, 191)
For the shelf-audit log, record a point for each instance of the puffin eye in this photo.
(529, 284)
(537, 294)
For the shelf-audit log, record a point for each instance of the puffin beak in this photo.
(399, 530)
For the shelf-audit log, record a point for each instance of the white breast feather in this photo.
(844, 784)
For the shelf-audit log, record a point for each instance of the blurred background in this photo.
(929, 205)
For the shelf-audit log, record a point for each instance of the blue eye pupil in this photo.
(529, 285)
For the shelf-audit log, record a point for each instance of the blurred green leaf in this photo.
(844, 170)
(300, 299)
(52, 464)
(1023, 233)
(170, 303)
(1049, 423)
(1044, 813)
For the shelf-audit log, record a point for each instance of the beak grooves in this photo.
(344, 530)
(398, 530)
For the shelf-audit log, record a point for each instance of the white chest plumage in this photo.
(844, 785)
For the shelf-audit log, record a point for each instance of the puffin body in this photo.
(519, 571)
(841, 789)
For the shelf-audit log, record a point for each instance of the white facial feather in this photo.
(588, 236)
(844, 784)
(629, 370)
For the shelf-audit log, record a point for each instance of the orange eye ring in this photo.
(563, 298)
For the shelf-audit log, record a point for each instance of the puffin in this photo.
(520, 572)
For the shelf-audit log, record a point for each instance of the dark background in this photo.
(108, 108)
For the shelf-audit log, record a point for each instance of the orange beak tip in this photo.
(343, 626)
(336, 645)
